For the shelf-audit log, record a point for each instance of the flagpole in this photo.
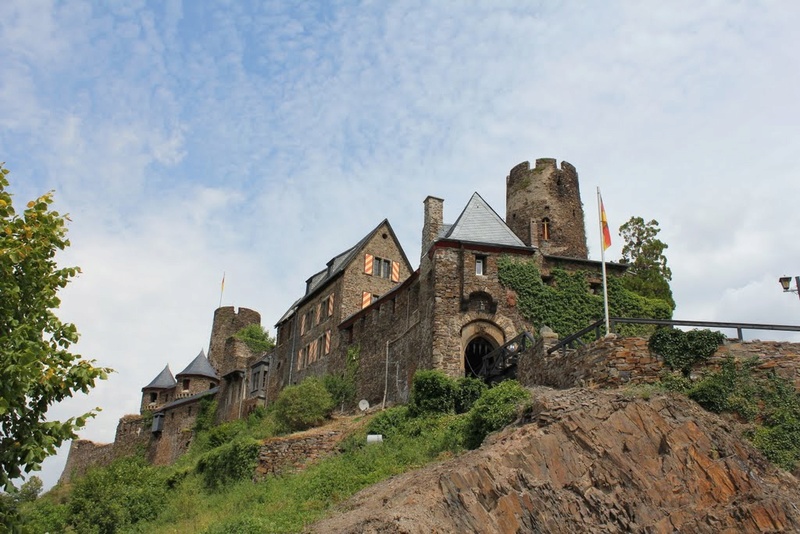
(221, 289)
(601, 212)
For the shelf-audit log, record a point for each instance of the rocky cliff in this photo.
(589, 461)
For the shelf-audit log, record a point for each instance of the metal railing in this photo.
(597, 326)
(501, 363)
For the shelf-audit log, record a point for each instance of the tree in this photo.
(37, 368)
(256, 338)
(648, 274)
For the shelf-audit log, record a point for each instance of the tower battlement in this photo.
(544, 208)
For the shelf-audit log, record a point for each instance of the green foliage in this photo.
(389, 422)
(468, 390)
(568, 305)
(432, 392)
(241, 525)
(228, 463)
(681, 350)
(648, 274)
(496, 408)
(205, 417)
(770, 402)
(341, 388)
(37, 368)
(303, 406)
(111, 498)
(256, 338)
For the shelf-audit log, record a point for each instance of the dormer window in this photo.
(185, 384)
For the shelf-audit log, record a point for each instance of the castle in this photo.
(369, 303)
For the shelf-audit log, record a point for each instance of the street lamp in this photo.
(786, 281)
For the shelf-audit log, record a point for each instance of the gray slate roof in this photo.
(479, 223)
(200, 366)
(335, 266)
(164, 380)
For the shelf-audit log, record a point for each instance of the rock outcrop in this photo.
(589, 461)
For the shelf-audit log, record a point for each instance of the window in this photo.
(185, 384)
(545, 229)
(153, 396)
(480, 265)
(368, 298)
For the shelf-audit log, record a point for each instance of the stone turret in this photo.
(544, 208)
(158, 391)
(227, 322)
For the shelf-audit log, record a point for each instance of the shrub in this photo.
(241, 525)
(681, 350)
(256, 338)
(468, 391)
(109, 498)
(341, 388)
(228, 463)
(388, 422)
(496, 408)
(432, 392)
(303, 406)
(731, 389)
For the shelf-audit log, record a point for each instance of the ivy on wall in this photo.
(568, 305)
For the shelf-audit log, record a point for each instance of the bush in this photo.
(256, 338)
(241, 525)
(389, 422)
(109, 498)
(731, 389)
(228, 463)
(432, 392)
(303, 406)
(496, 408)
(468, 390)
(341, 388)
(681, 350)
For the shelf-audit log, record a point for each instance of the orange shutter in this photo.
(366, 299)
(330, 306)
(395, 271)
(303, 324)
(319, 310)
(327, 341)
(300, 359)
(368, 263)
(313, 351)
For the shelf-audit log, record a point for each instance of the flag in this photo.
(222, 287)
(604, 225)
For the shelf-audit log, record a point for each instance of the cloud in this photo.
(261, 139)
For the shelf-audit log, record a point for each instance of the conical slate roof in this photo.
(479, 223)
(164, 380)
(200, 366)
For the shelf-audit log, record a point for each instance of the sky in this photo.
(256, 140)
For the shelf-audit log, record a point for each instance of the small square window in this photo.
(480, 265)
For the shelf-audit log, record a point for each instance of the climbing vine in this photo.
(568, 305)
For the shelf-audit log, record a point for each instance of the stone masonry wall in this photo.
(547, 192)
(462, 297)
(279, 455)
(617, 361)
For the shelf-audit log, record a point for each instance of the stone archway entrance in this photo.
(474, 353)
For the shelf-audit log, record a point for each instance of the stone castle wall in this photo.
(618, 361)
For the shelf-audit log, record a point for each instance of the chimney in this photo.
(434, 208)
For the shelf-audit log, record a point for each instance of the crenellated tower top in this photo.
(544, 208)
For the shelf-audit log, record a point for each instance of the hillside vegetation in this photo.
(212, 488)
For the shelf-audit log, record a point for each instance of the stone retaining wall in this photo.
(279, 455)
(617, 361)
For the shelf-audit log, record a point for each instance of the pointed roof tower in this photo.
(479, 223)
(164, 380)
(200, 366)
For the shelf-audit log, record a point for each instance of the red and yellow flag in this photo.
(604, 224)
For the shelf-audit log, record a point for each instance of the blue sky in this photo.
(258, 139)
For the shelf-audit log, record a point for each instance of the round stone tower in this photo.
(544, 208)
(227, 322)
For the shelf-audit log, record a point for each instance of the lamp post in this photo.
(786, 281)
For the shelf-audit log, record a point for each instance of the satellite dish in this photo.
(363, 405)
